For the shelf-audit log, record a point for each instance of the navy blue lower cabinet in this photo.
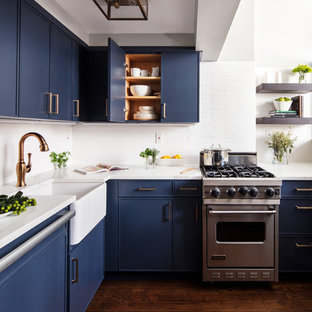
(112, 228)
(37, 281)
(86, 270)
(295, 253)
(187, 234)
(146, 234)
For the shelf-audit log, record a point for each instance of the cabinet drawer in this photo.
(188, 188)
(145, 188)
(295, 216)
(297, 188)
(294, 254)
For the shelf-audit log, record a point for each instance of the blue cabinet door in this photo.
(187, 234)
(112, 228)
(86, 268)
(37, 281)
(180, 86)
(145, 236)
(60, 74)
(34, 64)
(116, 82)
(8, 57)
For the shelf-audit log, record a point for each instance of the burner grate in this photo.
(251, 171)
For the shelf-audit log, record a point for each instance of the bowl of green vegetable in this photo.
(282, 103)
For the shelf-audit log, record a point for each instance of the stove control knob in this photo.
(253, 192)
(231, 191)
(243, 190)
(215, 192)
(269, 192)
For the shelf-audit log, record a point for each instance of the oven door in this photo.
(240, 236)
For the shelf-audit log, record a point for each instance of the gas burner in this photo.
(240, 171)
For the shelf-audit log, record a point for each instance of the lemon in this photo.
(178, 156)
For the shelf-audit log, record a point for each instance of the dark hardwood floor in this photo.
(291, 294)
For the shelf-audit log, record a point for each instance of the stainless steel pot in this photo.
(215, 156)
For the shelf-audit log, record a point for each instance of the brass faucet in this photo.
(21, 167)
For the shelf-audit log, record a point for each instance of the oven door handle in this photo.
(242, 211)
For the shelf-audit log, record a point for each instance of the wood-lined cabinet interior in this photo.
(132, 103)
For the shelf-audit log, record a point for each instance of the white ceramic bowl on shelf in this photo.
(146, 108)
(282, 105)
(140, 90)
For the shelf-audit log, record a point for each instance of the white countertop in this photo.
(292, 171)
(13, 226)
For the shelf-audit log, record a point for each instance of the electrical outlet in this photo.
(158, 138)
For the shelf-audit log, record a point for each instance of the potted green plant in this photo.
(282, 143)
(59, 160)
(150, 152)
(302, 70)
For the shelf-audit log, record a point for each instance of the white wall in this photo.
(227, 113)
(283, 35)
(58, 137)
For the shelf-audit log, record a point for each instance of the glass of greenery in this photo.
(150, 153)
(59, 160)
(302, 70)
(282, 143)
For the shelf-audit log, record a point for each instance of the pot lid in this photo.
(217, 149)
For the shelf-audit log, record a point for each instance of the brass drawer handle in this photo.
(50, 102)
(169, 217)
(77, 108)
(303, 245)
(196, 212)
(303, 208)
(147, 188)
(75, 280)
(57, 102)
(188, 188)
(303, 189)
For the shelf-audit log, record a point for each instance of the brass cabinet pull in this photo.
(169, 216)
(303, 208)
(188, 189)
(147, 188)
(57, 100)
(165, 111)
(50, 102)
(75, 280)
(77, 108)
(106, 103)
(303, 245)
(196, 212)
(303, 189)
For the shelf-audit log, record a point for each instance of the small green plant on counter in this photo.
(302, 70)
(16, 203)
(60, 160)
(153, 152)
(281, 143)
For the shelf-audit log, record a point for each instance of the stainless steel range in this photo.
(240, 222)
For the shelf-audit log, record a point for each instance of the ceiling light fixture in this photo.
(123, 10)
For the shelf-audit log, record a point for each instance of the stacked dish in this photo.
(146, 113)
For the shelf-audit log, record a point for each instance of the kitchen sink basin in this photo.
(90, 204)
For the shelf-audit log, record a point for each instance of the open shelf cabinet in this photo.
(132, 103)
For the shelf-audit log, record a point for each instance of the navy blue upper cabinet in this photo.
(60, 74)
(34, 64)
(145, 234)
(8, 57)
(116, 82)
(180, 86)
